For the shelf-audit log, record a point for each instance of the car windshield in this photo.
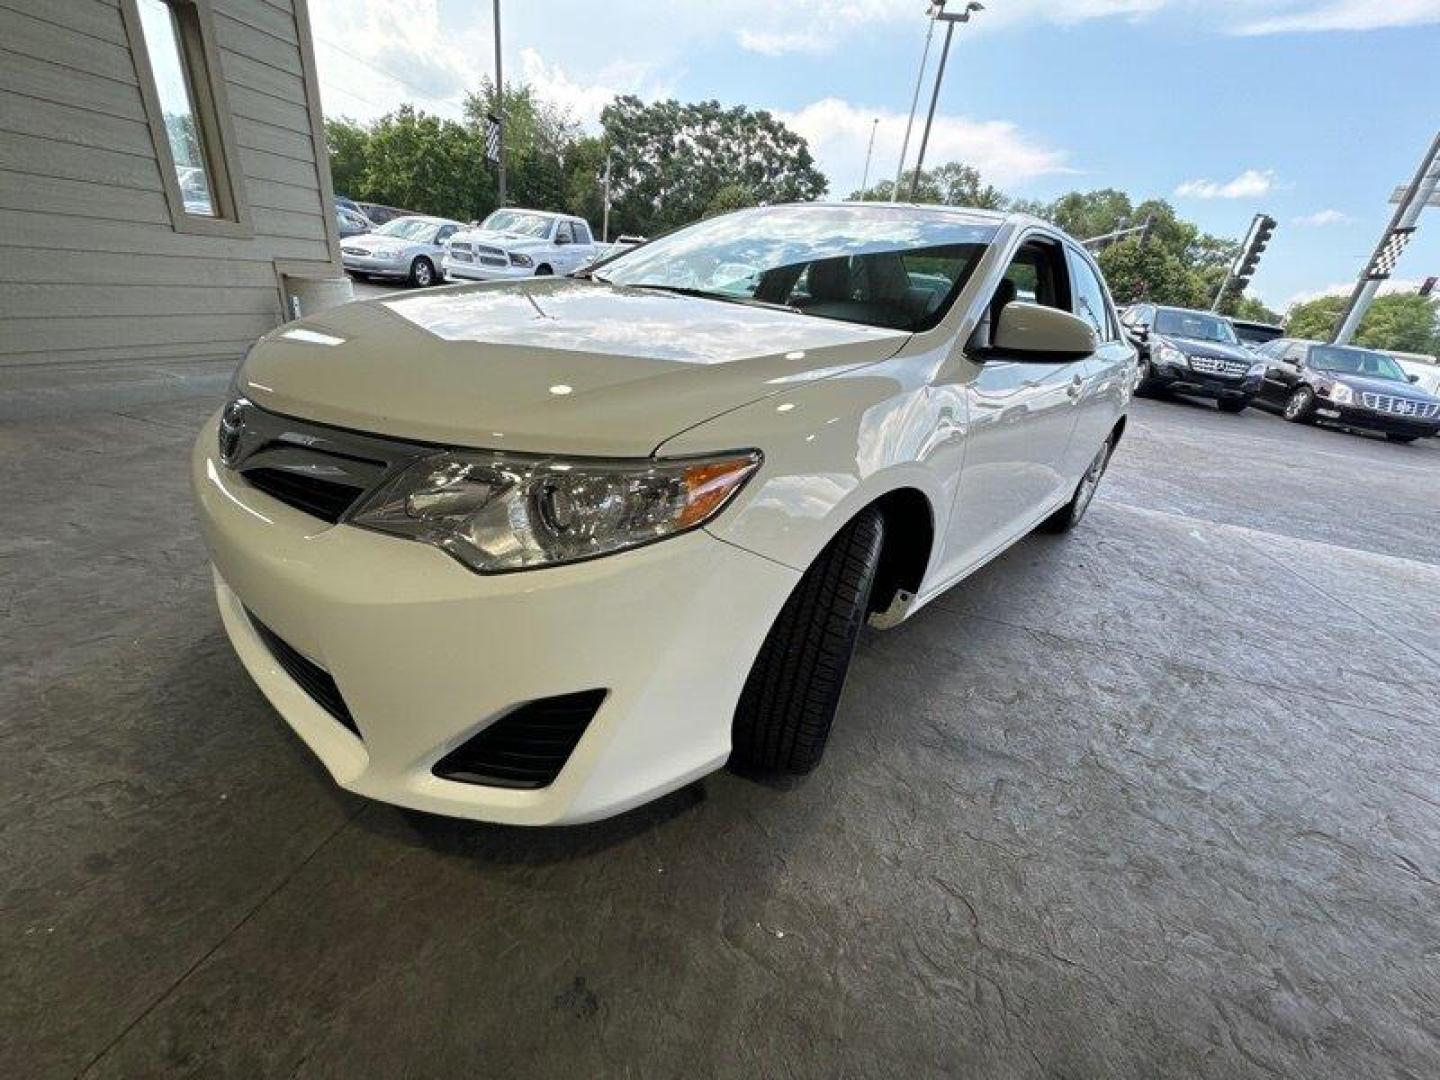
(518, 221)
(1344, 360)
(881, 266)
(1194, 324)
(410, 228)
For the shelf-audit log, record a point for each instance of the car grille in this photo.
(1215, 365)
(319, 498)
(491, 256)
(1398, 406)
(319, 470)
(525, 748)
(308, 675)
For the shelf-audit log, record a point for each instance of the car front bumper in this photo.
(1183, 380)
(426, 653)
(1353, 416)
(375, 265)
(471, 271)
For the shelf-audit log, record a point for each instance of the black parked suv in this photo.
(1192, 352)
(1255, 334)
(1310, 381)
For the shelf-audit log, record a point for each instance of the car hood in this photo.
(1368, 384)
(1216, 349)
(545, 365)
(500, 239)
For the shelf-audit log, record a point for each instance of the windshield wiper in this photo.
(748, 301)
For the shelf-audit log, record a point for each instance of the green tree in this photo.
(348, 143)
(670, 160)
(1152, 272)
(951, 184)
(730, 197)
(427, 164)
(1405, 322)
(1252, 309)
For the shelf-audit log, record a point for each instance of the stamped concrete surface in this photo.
(1159, 799)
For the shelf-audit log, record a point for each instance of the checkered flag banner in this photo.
(1383, 265)
(492, 138)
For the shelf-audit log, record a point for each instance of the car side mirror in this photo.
(1140, 332)
(1038, 334)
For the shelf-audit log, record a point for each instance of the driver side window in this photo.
(1036, 275)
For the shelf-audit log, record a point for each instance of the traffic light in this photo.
(1428, 286)
(1260, 233)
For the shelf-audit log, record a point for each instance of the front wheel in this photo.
(422, 273)
(1069, 515)
(788, 704)
(1232, 405)
(1300, 406)
(544, 270)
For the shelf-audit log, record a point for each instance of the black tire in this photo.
(1069, 515)
(1300, 406)
(1232, 405)
(1400, 438)
(544, 270)
(783, 719)
(422, 273)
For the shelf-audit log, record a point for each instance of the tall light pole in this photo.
(935, 8)
(500, 101)
(949, 21)
(865, 177)
(1392, 243)
(605, 226)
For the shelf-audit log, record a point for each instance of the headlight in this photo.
(1168, 354)
(1341, 394)
(499, 512)
(516, 259)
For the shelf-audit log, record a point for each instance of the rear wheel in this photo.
(1300, 406)
(544, 270)
(422, 273)
(1069, 515)
(1232, 405)
(1400, 438)
(783, 719)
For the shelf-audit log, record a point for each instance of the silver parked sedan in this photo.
(405, 249)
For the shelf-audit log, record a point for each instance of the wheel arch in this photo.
(908, 544)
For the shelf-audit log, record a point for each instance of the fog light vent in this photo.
(525, 748)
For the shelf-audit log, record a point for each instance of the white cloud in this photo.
(1247, 185)
(1331, 15)
(1321, 218)
(839, 131)
(770, 43)
(584, 100)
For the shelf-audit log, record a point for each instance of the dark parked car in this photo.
(1255, 334)
(1192, 352)
(381, 214)
(1310, 381)
(352, 222)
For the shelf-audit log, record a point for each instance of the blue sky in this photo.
(1310, 110)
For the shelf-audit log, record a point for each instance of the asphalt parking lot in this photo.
(1161, 798)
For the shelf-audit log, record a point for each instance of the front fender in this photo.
(831, 448)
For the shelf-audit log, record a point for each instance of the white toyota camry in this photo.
(539, 551)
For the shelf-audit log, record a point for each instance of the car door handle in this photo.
(1075, 385)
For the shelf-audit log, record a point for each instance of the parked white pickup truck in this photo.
(519, 244)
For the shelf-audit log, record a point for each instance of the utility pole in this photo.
(1392, 243)
(950, 21)
(605, 226)
(935, 8)
(500, 100)
(865, 177)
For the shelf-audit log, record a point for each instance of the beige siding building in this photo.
(163, 177)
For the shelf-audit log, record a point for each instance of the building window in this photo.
(185, 100)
